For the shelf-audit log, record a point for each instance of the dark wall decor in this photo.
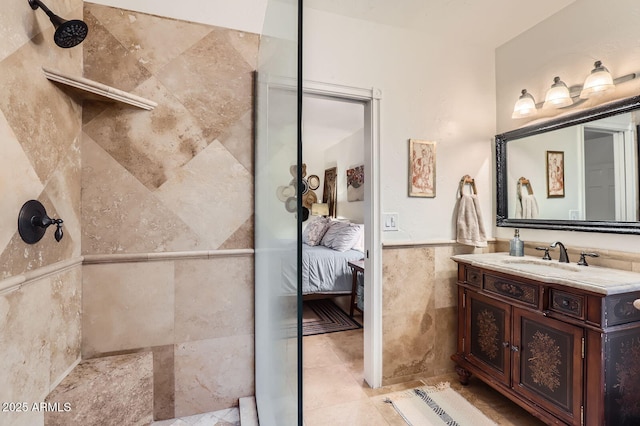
(330, 192)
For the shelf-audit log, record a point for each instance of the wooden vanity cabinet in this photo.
(551, 349)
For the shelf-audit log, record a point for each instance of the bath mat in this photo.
(323, 316)
(436, 406)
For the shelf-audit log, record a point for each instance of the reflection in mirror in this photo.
(579, 172)
(594, 166)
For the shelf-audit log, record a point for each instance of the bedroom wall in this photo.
(532, 59)
(448, 98)
(167, 206)
(346, 154)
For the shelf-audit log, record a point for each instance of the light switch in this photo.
(389, 221)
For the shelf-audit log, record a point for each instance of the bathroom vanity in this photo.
(560, 340)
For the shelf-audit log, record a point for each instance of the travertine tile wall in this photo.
(420, 303)
(40, 284)
(419, 318)
(171, 189)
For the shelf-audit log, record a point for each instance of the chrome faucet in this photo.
(564, 257)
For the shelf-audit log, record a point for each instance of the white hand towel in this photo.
(527, 207)
(470, 228)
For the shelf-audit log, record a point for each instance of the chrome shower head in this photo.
(68, 33)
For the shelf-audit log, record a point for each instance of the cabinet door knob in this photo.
(636, 304)
(515, 348)
(505, 344)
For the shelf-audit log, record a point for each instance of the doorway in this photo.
(372, 315)
(608, 161)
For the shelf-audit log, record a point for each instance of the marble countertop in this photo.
(596, 279)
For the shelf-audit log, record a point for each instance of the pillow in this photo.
(341, 236)
(315, 230)
(359, 244)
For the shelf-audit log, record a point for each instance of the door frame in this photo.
(372, 218)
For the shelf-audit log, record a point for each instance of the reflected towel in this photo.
(470, 228)
(527, 207)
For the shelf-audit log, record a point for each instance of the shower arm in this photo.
(55, 19)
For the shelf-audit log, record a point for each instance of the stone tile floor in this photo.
(227, 417)
(336, 394)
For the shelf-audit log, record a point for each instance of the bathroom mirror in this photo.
(578, 172)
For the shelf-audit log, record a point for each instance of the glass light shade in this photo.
(525, 106)
(558, 95)
(598, 82)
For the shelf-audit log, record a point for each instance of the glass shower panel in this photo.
(277, 298)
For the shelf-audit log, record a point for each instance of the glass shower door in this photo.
(278, 348)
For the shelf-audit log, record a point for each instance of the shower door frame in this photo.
(372, 218)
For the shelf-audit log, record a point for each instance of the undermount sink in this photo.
(592, 278)
(541, 264)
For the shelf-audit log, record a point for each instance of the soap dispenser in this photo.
(516, 245)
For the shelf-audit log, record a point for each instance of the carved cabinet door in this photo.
(548, 362)
(487, 335)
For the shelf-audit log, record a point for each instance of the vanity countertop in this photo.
(596, 279)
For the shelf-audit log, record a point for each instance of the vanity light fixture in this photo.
(558, 95)
(598, 82)
(525, 106)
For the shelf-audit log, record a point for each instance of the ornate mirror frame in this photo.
(502, 141)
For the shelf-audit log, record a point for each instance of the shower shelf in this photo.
(93, 87)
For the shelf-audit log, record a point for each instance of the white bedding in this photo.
(324, 270)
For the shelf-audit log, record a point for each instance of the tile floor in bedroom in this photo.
(335, 392)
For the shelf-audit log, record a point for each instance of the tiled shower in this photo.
(157, 206)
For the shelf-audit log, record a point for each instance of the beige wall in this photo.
(567, 45)
(167, 205)
(433, 88)
(40, 284)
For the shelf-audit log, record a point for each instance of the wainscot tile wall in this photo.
(419, 318)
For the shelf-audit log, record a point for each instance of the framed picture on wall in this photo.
(422, 168)
(330, 191)
(555, 174)
(355, 184)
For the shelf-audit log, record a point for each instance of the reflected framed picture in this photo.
(555, 174)
(422, 168)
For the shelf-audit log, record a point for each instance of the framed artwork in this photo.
(555, 174)
(330, 191)
(422, 168)
(355, 184)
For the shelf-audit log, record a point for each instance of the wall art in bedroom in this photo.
(355, 184)
(422, 168)
(330, 191)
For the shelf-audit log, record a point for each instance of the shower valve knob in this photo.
(33, 222)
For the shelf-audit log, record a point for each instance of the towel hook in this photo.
(527, 183)
(466, 179)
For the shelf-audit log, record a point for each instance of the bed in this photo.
(325, 270)
(328, 246)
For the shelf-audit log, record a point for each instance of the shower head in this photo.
(68, 33)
